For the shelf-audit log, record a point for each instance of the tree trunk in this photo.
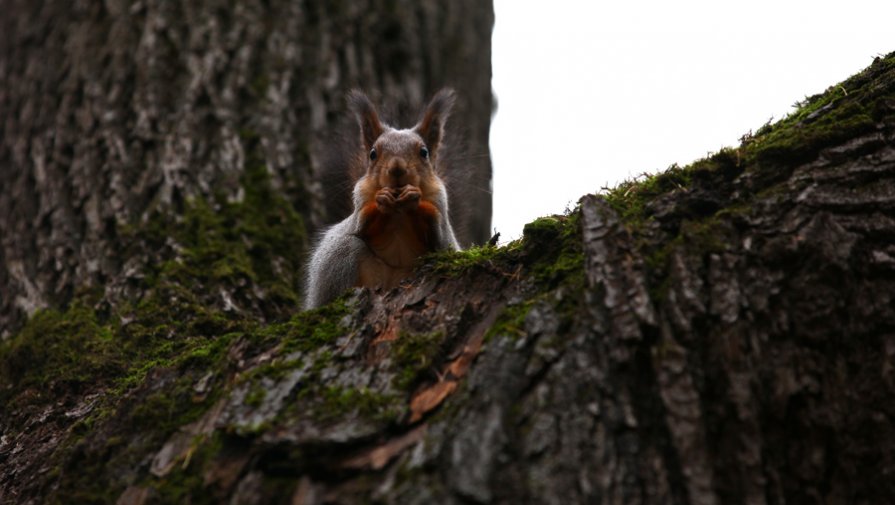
(119, 110)
(720, 333)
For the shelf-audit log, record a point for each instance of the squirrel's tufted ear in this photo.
(431, 126)
(367, 117)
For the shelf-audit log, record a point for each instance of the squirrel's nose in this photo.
(397, 171)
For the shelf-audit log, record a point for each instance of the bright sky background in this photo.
(591, 93)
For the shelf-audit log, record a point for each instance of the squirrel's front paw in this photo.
(409, 197)
(385, 200)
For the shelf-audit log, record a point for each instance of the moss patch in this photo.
(222, 246)
(59, 352)
(703, 192)
(629, 198)
(453, 263)
(414, 355)
(511, 322)
(312, 329)
(554, 252)
(212, 273)
(843, 111)
(341, 402)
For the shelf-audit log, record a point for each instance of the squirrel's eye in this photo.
(373, 154)
(424, 153)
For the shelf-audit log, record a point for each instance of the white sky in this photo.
(591, 93)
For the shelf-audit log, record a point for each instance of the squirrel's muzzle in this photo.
(397, 171)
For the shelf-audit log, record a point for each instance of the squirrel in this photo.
(400, 206)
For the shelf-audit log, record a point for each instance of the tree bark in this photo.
(720, 333)
(113, 111)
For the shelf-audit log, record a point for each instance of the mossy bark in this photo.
(114, 112)
(719, 333)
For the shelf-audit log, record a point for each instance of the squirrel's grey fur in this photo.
(334, 263)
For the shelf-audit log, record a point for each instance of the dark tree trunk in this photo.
(113, 111)
(717, 334)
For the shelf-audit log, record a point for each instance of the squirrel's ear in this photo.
(431, 126)
(367, 117)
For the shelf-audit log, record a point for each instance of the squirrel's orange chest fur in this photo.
(395, 240)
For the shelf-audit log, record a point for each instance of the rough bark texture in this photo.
(113, 111)
(721, 333)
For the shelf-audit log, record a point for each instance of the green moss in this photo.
(323, 359)
(312, 329)
(553, 247)
(74, 352)
(631, 199)
(212, 271)
(511, 321)
(341, 402)
(453, 263)
(550, 252)
(177, 329)
(844, 111)
(550, 248)
(215, 248)
(57, 352)
(326, 404)
(414, 354)
(256, 396)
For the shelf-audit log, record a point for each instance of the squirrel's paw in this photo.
(409, 197)
(385, 200)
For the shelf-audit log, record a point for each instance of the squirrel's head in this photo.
(396, 158)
